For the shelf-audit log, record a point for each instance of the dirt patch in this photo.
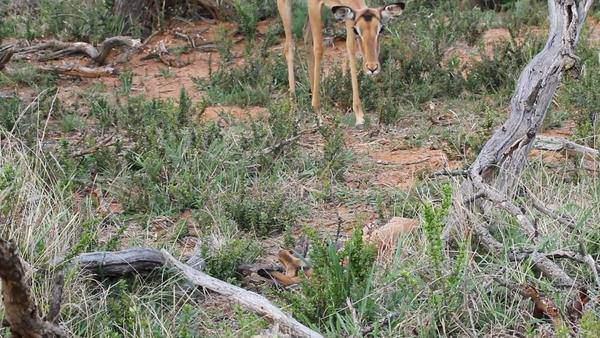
(493, 38)
(565, 131)
(594, 32)
(403, 167)
(222, 113)
(466, 56)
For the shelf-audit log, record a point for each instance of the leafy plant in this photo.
(223, 261)
(338, 277)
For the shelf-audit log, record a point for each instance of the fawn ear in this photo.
(389, 12)
(343, 13)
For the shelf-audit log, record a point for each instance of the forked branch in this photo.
(494, 176)
(20, 309)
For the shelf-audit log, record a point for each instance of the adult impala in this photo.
(362, 21)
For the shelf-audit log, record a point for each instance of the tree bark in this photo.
(20, 309)
(120, 263)
(493, 177)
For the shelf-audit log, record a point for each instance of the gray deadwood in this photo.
(493, 179)
(248, 299)
(120, 263)
(20, 310)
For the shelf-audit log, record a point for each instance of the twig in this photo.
(503, 202)
(451, 173)
(79, 70)
(106, 142)
(562, 219)
(189, 39)
(56, 300)
(581, 258)
(119, 263)
(98, 55)
(251, 300)
(287, 141)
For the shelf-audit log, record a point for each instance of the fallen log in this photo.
(551, 143)
(248, 299)
(6, 53)
(98, 55)
(120, 263)
(80, 71)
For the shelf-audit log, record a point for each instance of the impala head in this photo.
(368, 24)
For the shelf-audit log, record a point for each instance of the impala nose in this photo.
(372, 68)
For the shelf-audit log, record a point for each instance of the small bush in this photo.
(337, 276)
(267, 214)
(222, 261)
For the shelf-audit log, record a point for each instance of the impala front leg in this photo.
(285, 11)
(351, 48)
(316, 26)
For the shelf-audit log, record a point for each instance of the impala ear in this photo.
(343, 13)
(389, 12)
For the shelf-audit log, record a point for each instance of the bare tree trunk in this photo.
(493, 177)
(20, 310)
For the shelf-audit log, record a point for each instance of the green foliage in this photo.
(223, 261)
(335, 155)
(499, 72)
(126, 79)
(247, 16)
(577, 93)
(337, 277)
(590, 324)
(9, 112)
(266, 214)
(90, 21)
(433, 226)
(247, 85)
(23, 73)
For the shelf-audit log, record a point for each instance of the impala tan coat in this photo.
(363, 24)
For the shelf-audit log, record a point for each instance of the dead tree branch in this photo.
(80, 71)
(6, 53)
(98, 55)
(500, 164)
(20, 309)
(119, 263)
(551, 143)
(248, 299)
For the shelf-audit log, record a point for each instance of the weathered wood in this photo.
(6, 53)
(551, 143)
(79, 70)
(20, 310)
(98, 55)
(120, 263)
(248, 299)
(495, 174)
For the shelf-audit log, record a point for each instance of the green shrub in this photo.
(337, 277)
(9, 112)
(223, 261)
(248, 85)
(266, 214)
